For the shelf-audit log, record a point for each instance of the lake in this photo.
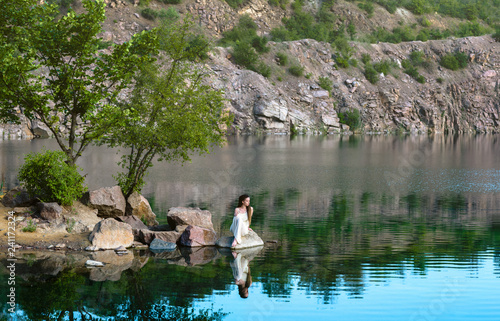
(356, 228)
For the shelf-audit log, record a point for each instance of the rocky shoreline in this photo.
(104, 220)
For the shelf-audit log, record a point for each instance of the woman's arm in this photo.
(250, 213)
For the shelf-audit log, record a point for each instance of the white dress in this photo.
(240, 267)
(240, 224)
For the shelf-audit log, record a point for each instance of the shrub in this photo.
(244, 31)
(353, 62)
(383, 66)
(282, 58)
(425, 22)
(296, 70)
(440, 80)
(31, 227)
(371, 74)
(365, 58)
(47, 176)
(171, 1)
(352, 118)
(278, 3)
(244, 54)
(260, 44)
(149, 13)
(169, 14)
(342, 62)
(458, 60)
(235, 3)
(496, 35)
(264, 70)
(325, 83)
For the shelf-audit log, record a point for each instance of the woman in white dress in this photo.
(242, 219)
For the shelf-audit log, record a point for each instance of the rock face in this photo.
(194, 236)
(248, 241)
(110, 234)
(109, 201)
(189, 216)
(18, 197)
(138, 206)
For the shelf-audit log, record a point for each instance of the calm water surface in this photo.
(358, 228)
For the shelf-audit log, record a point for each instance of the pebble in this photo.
(94, 263)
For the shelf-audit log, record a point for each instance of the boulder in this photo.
(81, 218)
(247, 241)
(198, 236)
(110, 234)
(189, 216)
(146, 236)
(109, 201)
(160, 245)
(135, 223)
(18, 197)
(138, 206)
(39, 129)
(51, 212)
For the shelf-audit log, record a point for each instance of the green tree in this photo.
(171, 113)
(53, 71)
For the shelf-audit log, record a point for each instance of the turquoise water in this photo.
(357, 228)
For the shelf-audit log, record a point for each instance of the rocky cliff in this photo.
(455, 101)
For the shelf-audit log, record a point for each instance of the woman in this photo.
(242, 219)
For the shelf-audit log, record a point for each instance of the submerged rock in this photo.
(247, 241)
(160, 245)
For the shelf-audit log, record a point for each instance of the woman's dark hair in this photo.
(241, 199)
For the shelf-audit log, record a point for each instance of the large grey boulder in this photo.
(110, 234)
(138, 206)
(109, 201)
(18, 197)
(189, 216)
(247, 241)
(194, 236)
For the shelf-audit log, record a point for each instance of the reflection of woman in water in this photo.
(242, 219)
(241, 273)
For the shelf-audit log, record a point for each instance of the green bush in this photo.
(496, 35)
(244, 31)
(149, 13)
(46, 175)
(383, 66)
(244, 54)
(342, 61)
(278, 3)
(264, 70)
(169, 14)
(282, 58)
(352, 118)
(308, 75)
(325, 83)
(296, 70)
(260, 44)
(365, 58)
(458, 60)
(371, 74)
(171, 1)
(236, 3)
(353, 62)
(31, 227)
(440, 80)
